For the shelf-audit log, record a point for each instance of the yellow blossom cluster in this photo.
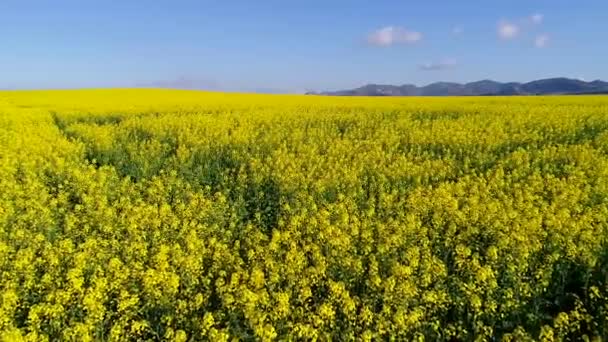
(188, 216)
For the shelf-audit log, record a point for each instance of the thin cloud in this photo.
(441, 65)
(537, 18)
(507, 30)
(457, 30)
(541, 41)
(393, 35)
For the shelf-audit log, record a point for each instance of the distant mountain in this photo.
(550, 86)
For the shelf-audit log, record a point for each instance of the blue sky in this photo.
(296, 46)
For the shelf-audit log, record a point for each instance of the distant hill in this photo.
(550, 86)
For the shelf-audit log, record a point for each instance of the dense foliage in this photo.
(185, 216)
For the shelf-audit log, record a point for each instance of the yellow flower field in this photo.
(186, 216)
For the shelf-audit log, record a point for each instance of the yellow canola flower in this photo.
(157, 214)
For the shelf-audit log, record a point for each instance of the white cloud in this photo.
(511, 29)
(391, 35)
(441, 65)
(541, 40)
(457, 30)
(537, 18)
(507, 30)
